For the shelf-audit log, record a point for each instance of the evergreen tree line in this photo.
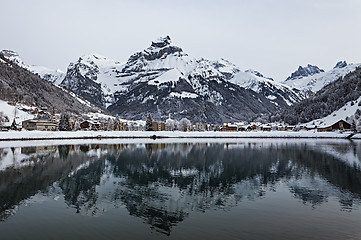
(329, 99)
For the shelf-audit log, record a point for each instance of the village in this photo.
(45, 121)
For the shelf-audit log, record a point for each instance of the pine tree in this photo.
(148, 123)
(353, 126)
(116, 124)
(184, 124)
(64, 124)
(13, 125)
(2, 120)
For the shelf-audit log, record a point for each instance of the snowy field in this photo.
(38, 135)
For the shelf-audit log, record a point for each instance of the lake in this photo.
(181, 189)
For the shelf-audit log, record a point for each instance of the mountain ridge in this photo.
(162, 78)
(19, 85)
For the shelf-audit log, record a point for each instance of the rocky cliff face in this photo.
(279, 94)
(163, 81)
(313, 79)
(301, 72)
(94, 77)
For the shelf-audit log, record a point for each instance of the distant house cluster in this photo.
(99, 122)
(109, 125)
(340, 125)
(80, 124)
(329, 127)
(256, 126)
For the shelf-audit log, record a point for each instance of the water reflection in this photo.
(163, 183)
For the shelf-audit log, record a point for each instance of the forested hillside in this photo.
(330, 98)
(18, 85)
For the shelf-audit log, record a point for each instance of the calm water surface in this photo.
(238, 189)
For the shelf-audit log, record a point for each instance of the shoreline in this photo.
(58, 135)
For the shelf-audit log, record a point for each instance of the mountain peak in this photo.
(159, 50)
(341, 64)
(9, 53)
(94, 57)
(12, 56)
(161, 42)
(258, 74)
(309, 70)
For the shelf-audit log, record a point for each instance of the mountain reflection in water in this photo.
(163, 183)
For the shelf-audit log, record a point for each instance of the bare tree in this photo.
(184, 124)
(170, 123)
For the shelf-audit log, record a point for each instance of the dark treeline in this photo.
(330, 98)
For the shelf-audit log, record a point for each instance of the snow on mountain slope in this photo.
(278, 93)
(103, 80)
(301, 72)
(11, 111)
(21, 85)
(318, 80)
(54, 76)
(164, 72)
(164, 80)
(95, 77)
(344, 112)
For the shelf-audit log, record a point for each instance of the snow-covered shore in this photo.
(40, 135)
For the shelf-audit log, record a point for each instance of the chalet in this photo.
(242, 128)
(159, 126)
(252, 127)
(120, 126)
(200, 126)
(290, 127)
(308, 127)
(229, 127)
(42, 125)
(339, 125)
(90, 125)
(85, 125)
(266, 128)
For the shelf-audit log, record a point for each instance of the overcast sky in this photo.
(271, 36)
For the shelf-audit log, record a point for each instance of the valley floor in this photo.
(39, 135)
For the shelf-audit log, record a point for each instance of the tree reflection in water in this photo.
(164, 183)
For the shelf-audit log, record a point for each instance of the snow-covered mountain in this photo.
(54, 76)
(163, 72)
(332, 97)
(280, 94)
(311, 78)
(20, 86)
(96, 78)
(301, 72)
(163, 80)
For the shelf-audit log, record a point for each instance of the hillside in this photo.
(329, 99)
(19, 85)
(164, 80)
